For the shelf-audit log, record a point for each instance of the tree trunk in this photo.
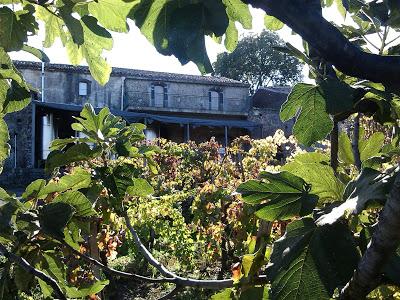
(384, 242)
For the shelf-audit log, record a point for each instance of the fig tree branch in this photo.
(303, 17)
(172, 277)
(24, 264)
(384, 242)
(113, 271)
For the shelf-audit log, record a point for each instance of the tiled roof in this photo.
(136, 74)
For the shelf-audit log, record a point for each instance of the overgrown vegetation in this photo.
(318, 225)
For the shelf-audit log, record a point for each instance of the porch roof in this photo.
(132, 117)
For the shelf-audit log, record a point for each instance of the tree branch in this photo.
(113, 271)
(303, 17)
(172, 277)
(384, 242)
(24, 264)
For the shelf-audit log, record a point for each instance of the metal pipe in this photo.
(122, 92)
(33, 137)
(15, 150)
(226, 136)
(42, 87)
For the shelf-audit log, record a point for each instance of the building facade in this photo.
(265, 107)
(173, 106)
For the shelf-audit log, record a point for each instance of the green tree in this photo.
(256, 61)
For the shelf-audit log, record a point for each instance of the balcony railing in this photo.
(187, 103)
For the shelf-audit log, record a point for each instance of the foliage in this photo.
(294, 234)
(256, 61)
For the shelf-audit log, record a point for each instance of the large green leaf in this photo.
(272, 23)
(288, 196)
(33, 189)
(238, 11)
(53, 218)
(79, 179)
(369, 185)
(83, 207)
(307, 102)
(14, 27)
(93, 289)
(96, 39)
(75, 153)
(231, 37)
(83, 38)
(338, 96)
(112, 14)
(314, 168)
(53, 25)
(370, 147)
(345, 152)
(309, 262)
(4, 146)
(99, 126)
(179, 27)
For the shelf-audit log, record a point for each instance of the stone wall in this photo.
(270, 121)
(188, 93)
(20, 129)
(20, 177)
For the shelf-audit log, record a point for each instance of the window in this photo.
(83, 88)
(215, 100)
(159, 95)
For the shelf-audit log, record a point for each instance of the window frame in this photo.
(88, 87)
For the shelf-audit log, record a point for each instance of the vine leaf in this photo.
(312, 122)
(309, 262)
(314, 168)
(369, 185)
(288, 196)
(140, 188)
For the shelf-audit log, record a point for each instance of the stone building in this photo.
(266, 104)
(174, 106)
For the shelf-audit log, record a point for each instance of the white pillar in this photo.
(48, 134)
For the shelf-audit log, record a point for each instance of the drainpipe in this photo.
(122, 92)
(188, 133)
(33, 145)
(42, 76)
(226, 136)
(15, 150)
